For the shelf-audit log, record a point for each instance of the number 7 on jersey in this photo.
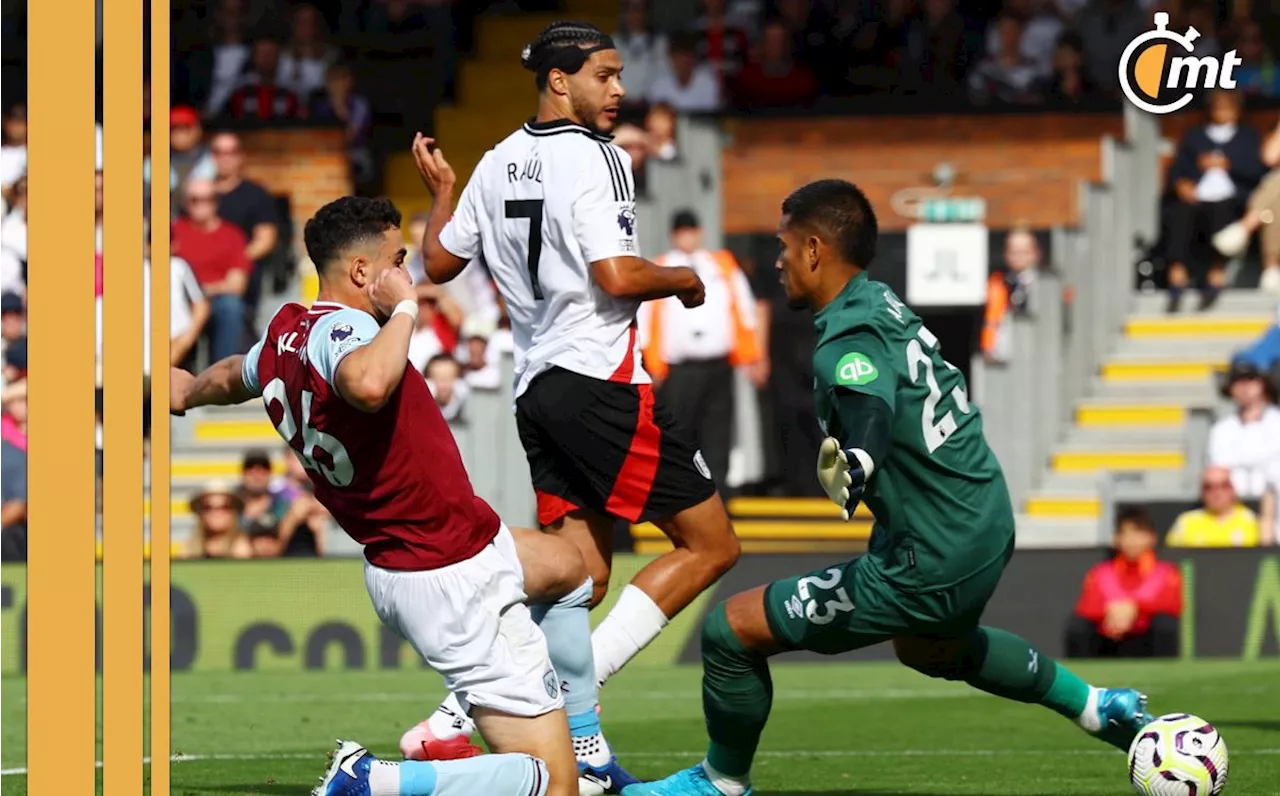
(532, 210)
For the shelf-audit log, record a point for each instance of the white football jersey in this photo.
(540, 208)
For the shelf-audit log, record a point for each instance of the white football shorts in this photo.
(469, 622)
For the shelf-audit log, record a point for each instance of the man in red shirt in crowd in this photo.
(1129, 605)
(215, 250)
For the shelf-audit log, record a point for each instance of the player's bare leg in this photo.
(591, 534)
(546, 737)
(705, 548)
(1005, 665)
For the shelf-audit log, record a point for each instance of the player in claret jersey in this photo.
(441, 567)
(551, 212)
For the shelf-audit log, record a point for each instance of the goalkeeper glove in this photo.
(842, 475)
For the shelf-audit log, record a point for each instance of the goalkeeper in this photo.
(902, 436)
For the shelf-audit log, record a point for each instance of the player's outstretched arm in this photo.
(221, 384)
(440, 264)
(638, 279)
(845, 465)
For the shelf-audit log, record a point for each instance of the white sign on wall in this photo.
(947, 265)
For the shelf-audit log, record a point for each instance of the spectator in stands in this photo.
(1258, 75)
(1069, 83)
(813, 41)
(451, 391)
(687, 86)
(305, 526)
(660, 125)
(218, 533)
(872, 50)
(1038, 34)
(1223, 521)
(262, 507)
(15, 362)
(13, 463)
(216, 71)
(1247, 441)
(1129, 605)
(479, 360)
(720, 42)
(250, 208)
(339, 102)
(438, 319)
(1263, 213)
(1106, 27)
(188, 308)
(308, 55)
(1006, 75)
(215, 250)
(691, 353)
(13, 230)
(259, 96)
(189, 158)
(936, 56)
(643, 49)
(13, 319)
(1215, 168)
(13, 144)
(1009, 292)
(775, 79)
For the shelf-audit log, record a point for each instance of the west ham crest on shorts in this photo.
(552, 683)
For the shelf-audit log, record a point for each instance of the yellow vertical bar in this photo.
(122, 346)
(160, 398)
(60, 322)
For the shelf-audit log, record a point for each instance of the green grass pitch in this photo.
(869, 729)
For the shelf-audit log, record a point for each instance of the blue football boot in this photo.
(348, 773)
(690, 782)
(611, 778)
(1122, 713)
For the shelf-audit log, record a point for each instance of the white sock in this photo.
(729, 786)
(634, 621)
(592, 749)
(450, 720)
(1088, 720)
(384, 779)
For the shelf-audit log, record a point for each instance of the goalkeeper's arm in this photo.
(845, 465)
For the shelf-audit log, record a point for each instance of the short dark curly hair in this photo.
(345, 222)
(840, 211)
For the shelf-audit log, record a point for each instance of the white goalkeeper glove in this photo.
(843, 475)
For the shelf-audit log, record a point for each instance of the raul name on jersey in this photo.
(531, 170)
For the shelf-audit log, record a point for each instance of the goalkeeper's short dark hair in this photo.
(564, 46)
(841, 213)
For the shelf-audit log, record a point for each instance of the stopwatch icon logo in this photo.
(1160, 73)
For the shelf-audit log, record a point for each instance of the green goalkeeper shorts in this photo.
(850, 605)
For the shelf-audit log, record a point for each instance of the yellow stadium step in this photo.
(1093, 461)
(248, 431)
(177, 507)
(1100, 415)
(176, 549)
(1160, 371)
(1064, 507)
(211, 469)
(1198, 327)
(804, 508)
(771, 529)
(310, 288)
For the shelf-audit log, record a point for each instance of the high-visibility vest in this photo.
(746, 347)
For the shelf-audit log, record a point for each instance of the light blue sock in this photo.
(568, 630)
(507, 773)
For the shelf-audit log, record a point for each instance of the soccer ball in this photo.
(1178, 755)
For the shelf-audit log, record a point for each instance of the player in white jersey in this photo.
(551, 212)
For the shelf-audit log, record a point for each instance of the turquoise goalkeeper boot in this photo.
(1122, 712)
(690, 782)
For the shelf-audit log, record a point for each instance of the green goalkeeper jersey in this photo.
(939, 497)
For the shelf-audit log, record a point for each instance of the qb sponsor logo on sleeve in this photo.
(1157, 79)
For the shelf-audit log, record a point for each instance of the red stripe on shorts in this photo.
(628, 367)
(635, 480)
(552, 507)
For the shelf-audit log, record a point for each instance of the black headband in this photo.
(567, 59)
